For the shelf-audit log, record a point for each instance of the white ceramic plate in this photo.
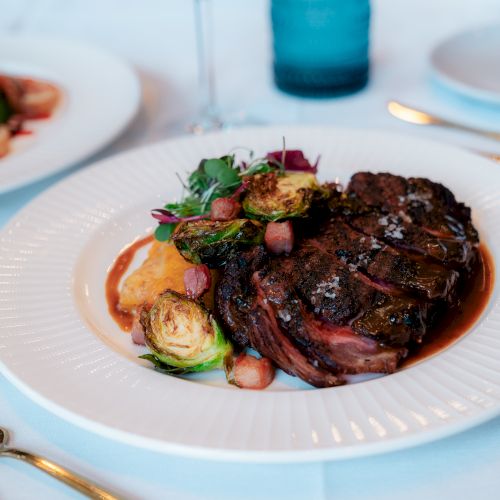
(469, 63)
(101, 94)
(58, 344)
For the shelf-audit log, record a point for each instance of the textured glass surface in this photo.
(321, 46)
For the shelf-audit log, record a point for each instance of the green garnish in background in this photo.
(5, 109)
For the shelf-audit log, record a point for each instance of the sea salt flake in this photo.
(326, 288)
(374, 245)
(363, 259)
(284, 315)
(421, 198)
(394, 231)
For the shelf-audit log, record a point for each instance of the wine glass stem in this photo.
(204, 41)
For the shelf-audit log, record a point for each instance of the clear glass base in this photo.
(203, 124)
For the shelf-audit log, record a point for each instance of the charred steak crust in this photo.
(428, 204)
(363, 284)
(235, 293)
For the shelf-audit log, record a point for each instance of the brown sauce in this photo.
(460, 319)
(115, 274)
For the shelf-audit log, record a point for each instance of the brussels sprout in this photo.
(215, 242)
(273, 197)
(183, 336)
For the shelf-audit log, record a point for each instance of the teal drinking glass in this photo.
(321, 47)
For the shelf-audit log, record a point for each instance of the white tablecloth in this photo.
(157, 37)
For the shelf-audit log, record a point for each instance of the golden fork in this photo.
(68, 477)
(419, 117)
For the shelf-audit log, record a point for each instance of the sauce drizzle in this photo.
(115, 274)
(459, 319)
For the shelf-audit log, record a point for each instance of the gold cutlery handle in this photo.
(466, 128)
(420, 117)
(72, 479)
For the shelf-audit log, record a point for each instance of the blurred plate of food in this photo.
(60, 102)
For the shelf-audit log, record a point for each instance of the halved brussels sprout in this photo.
(273, 197)
(183, 336)
(215, 242)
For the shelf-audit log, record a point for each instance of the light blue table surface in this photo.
(156, 36)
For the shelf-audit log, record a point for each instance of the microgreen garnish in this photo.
(214, 178)
(166, 217)
(164, 231)
(259, 167)
(293, 160)
(5, 109)
(244, 185)
(219, 170)
(221, 178)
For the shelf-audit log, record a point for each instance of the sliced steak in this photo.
(266, 336)
(341, 295)
(235, 293)
(428, 204)
(404, 235)
(331, 290)
(362, 284)
(329, 346)
(384, 264)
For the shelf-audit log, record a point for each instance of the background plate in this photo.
(101, 94)
(469, 63)
(59, 346)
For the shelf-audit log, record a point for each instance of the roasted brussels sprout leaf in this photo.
(215, 242)
(163, 367)
(183, 336)
(214, 178)
(273, 197)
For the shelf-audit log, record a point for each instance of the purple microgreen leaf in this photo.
(164, 216)
(294, 160)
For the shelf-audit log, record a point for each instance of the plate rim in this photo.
(241, 455)
(453, 84)
(248, 456)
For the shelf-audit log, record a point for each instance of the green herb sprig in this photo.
(214, 178)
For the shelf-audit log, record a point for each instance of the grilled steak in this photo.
(362, 285)
(428, 204)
